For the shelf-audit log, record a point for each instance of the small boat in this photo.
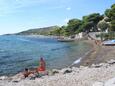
(66, 40)
(109, 43)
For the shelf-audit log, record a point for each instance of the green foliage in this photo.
(59, 31)
(106, 36)
(87, 24)
(111, 14)
(107, 12)
(56, 32)
(39, 31)
(73, 26)
(90, 22)
(103, 25)
(112, 25)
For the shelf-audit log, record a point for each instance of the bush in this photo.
(106, 36)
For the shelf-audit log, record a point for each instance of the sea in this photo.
(20, 52)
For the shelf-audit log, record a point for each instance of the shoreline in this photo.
(69, 61)
(83, 76)
(92, 56)
(98, 54)
(86, 61)
(82, 60)
(95, 68)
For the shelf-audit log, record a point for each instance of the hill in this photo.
(38, 31)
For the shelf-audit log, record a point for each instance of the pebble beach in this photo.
(102, 74)
(96, 69)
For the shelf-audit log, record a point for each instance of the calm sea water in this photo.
(19, 52)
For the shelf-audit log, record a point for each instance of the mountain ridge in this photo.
(38, 31)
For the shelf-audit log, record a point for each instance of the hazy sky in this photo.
(19, 15)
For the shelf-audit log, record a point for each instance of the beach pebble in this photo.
(17, 77)
(54, 71)
(110, 82)
(111, 61)
(66, 70)
(50, 72)
(83, 76)
(98, 84)
(104, 64)
(83, 67)
(96, 65)
(75, 69)
(3, 77)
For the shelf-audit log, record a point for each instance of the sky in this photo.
(20, 15)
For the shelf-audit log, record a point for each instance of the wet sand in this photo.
(98, 54)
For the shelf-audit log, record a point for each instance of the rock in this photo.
(50, 72)
(54, 71)
(110, 82)
(96, 65)
(17, 77)
(81, 67)
(111, 61)
(100, 65)
(66, 70)
(75, 69)
(104, 64)
(3, 77)
(98, 84)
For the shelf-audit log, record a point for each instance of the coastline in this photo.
(98, 54)
(82, 61)
(96, 75)
(87, 60)
(62, 62)
(95, 68)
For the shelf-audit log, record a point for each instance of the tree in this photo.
(63, 31)
(73, 26)
(56, 32)
(85, 27)
(103, 25)
(111, 14)
(90, 21)
(107, 11)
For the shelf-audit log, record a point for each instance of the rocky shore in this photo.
(102, 74)
(97, 68)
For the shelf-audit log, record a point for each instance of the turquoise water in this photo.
(19, 52)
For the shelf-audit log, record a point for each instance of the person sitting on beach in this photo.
(26, 73)
(42, 67)
(31, 74)
(38, 72)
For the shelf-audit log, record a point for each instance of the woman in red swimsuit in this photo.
(42, 65)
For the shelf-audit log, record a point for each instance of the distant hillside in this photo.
(38, 31)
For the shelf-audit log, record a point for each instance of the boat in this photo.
(109, 43)
(66, 40)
